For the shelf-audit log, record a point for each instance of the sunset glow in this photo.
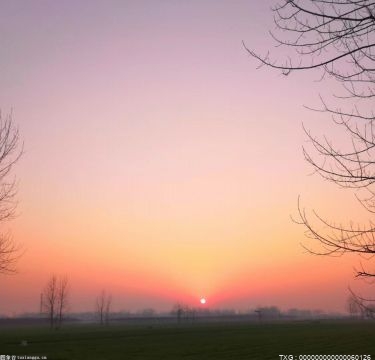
(159, 163)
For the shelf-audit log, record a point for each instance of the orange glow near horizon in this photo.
(159, 164)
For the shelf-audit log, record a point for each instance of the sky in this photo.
(159, 163)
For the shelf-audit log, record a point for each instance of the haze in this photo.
(159, 163)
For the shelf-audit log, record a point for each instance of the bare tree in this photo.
(353, 307)
(103, 307)
(62, 298)
(10, 152)
(362, 306)
(178, 309)
(100, 306)
(108, 309)
(50, 299)
(54, 299)
(337, 37)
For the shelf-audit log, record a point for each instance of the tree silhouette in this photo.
(9, 155)
(49, 299)
(178, 310)
(103, 307)
(337, 38)
(62, 298)
(353, 307)
(54, 299)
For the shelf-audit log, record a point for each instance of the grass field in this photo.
(195, 341)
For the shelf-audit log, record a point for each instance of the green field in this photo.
(194, 341)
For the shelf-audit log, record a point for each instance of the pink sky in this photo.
(159, 164)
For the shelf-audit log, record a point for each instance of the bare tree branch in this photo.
(9, 155)
(337, 37)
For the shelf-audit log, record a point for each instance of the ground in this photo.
(192, 341)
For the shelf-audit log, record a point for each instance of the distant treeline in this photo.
(185, 313)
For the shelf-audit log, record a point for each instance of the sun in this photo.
(202, 301)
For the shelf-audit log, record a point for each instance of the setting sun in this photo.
(153, 176)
